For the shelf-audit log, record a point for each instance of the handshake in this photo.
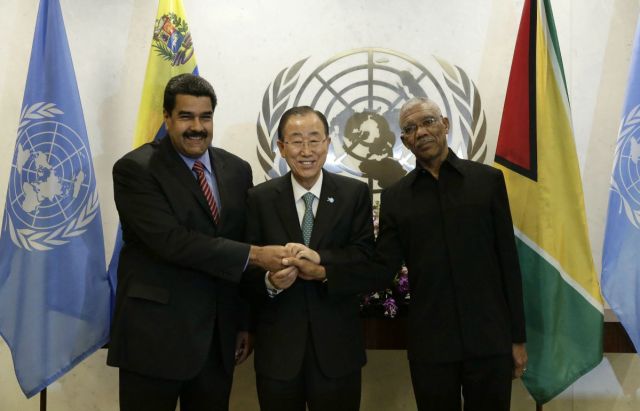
(286, 263)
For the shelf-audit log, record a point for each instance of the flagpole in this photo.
(43, 400)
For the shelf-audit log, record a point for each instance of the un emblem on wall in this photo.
(626, 172)
(361, 92)
(52, 195)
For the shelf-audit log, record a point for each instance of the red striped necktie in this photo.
(198, 167)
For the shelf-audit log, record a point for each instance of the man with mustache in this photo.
(179, 325)
(449, 221)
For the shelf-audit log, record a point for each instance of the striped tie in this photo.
(198, 167)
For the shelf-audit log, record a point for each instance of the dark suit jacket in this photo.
(178, 271)
(456, 237)
(342, 233)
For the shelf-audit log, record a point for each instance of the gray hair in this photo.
(414, 101)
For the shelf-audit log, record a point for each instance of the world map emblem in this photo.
(626, 172)
(172, 39)
(361, 92)
(52, 194)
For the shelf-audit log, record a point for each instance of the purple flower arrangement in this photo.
(390, 301)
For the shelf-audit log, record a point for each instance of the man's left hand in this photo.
(244, 346)
(298, 250)
(519, 352)
(307, 270)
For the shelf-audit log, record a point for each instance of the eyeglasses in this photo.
(299, 144)
(411, 129)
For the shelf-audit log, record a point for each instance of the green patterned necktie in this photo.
(307, 219)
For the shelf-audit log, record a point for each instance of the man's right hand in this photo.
(281, 280)
(268, 257)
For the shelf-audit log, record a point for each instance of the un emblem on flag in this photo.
(361, 92)
(626, 172)
(52, 195)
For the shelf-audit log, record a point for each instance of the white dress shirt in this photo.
(298, 193)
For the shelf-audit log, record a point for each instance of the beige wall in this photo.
(242, 46)
(241, 50)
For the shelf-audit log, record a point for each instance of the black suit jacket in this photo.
(342, 233)
(456, 238)
(178, 271)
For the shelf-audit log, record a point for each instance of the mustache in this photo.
(191, 134)
(425, 139)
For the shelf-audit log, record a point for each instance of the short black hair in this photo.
(300, 111)
(190, 85)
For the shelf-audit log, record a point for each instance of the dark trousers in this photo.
(207, 391)
(310, 387)
(483, 383)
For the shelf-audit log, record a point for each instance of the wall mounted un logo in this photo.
(361, 93)
(52, 195)
(626, 172)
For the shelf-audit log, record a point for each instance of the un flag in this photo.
(620, 258)
(54, 292)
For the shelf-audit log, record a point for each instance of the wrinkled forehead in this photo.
(419, 109)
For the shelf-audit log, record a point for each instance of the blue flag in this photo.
(620, 255)
(54, 292)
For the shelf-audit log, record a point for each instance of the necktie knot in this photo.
(308, 199)
(198, 167)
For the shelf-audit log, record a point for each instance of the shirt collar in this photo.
(204, 159)
(299, 191)
(452, 161)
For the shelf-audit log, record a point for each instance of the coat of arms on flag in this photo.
(172, 39)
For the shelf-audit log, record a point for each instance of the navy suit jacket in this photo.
(178, 270)
(342, 233)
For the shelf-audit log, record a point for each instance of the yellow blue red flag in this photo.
(171, 53)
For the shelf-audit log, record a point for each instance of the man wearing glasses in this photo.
(309, 344)
(449, 221)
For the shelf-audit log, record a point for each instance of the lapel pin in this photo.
(331, 200)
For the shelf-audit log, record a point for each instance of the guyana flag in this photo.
(536, 152)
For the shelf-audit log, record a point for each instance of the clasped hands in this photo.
(287, 263)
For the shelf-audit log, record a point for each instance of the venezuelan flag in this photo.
(536, 152)
(171, 53)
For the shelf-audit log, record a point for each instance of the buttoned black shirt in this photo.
(455, 235)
